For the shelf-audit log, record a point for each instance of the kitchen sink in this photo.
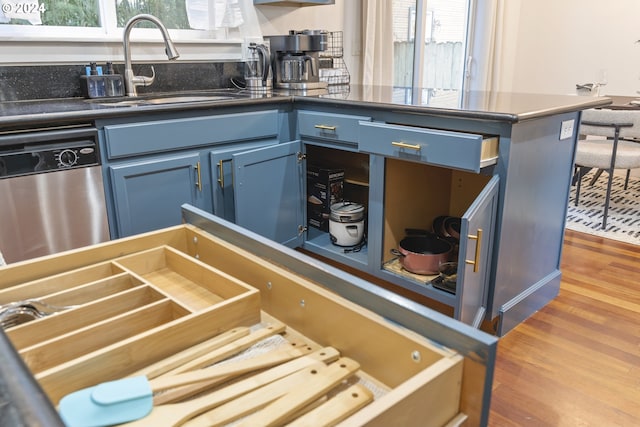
(173, 99)
(162, 100)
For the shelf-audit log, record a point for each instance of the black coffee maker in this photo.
(295, 59)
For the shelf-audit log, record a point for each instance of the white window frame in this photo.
(108, 31)
(422, 26)
(24, 44)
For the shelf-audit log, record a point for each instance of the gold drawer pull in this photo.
(221, 174)
(325, 127)
(476, 261)
(199, 177)
(405, 145)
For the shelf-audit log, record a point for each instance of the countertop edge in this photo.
(115, 112)
(89, 114)
(466, 114)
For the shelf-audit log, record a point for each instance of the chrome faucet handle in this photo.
(145, 80)
(132, 81)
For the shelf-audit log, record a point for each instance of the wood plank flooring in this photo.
(576, 362)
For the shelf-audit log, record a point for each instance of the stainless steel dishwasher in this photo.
(51, 193)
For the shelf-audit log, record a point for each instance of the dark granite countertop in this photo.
(500, 106)
(508, 107)
(47, 111)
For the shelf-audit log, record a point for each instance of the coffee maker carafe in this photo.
(295, 59)
(257, 68)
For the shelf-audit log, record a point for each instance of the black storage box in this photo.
(324, 188)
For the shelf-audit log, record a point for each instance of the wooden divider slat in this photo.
(58, 282)
(85, 340)
(38, 331)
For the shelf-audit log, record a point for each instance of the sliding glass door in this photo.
(437, 62)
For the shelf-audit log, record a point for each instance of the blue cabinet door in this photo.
(148, 194)
(477, 232)
(268, 192)
(221, 173)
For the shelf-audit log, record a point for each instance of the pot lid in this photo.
(347, 208)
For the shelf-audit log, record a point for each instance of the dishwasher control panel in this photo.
(84, 155)
(26, 155)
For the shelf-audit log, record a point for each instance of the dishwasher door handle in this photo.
(48, 136)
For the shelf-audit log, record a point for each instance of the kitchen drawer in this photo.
(165, 135)
(332, 127)
(117, 311)
(191, 286)
(458, 150)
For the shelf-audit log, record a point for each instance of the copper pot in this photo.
(422, 252)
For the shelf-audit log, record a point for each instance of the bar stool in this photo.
(617, 151)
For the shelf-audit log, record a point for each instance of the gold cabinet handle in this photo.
(405, 145)
(476, 261)
(221, 174)
(325, 127)
(198, 177)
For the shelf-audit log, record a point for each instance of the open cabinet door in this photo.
(476, 246)
(268, 192)
(222, 173)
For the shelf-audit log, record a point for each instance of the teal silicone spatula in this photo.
(119, 401)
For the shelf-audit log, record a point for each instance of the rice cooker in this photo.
(346, 223)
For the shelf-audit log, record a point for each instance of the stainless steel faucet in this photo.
(131, 81)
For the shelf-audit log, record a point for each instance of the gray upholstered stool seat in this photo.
(604, 147)
(596, 153)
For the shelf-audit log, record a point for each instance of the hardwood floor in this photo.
(576, 362)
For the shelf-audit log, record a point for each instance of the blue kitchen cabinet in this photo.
(419, 174)
(475, 255)
(330, 140)
(150, 135)
(411, 197)
(154, 163)
(268, 185)
(221, 164)
(254, 174)
(147, 194)
(268, 192)
(402, 186)
(408, 170)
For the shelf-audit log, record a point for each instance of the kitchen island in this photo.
(530, 163)
(501, 162)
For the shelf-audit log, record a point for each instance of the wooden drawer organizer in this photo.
(142, 299)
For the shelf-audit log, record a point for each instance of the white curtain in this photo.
(377, 42)
(486, 69)
(494, 76)
(226, 14)
(487, 74)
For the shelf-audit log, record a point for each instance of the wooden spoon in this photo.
(120, 401)
(175, 414)
(172, 362)
(336, 409)
(230, 349)
(318, 383)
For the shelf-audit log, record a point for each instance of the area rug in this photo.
(623, 221)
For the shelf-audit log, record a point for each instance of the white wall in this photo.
(548, 45)
(259, 20)
(344, 16)
(559, 43)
